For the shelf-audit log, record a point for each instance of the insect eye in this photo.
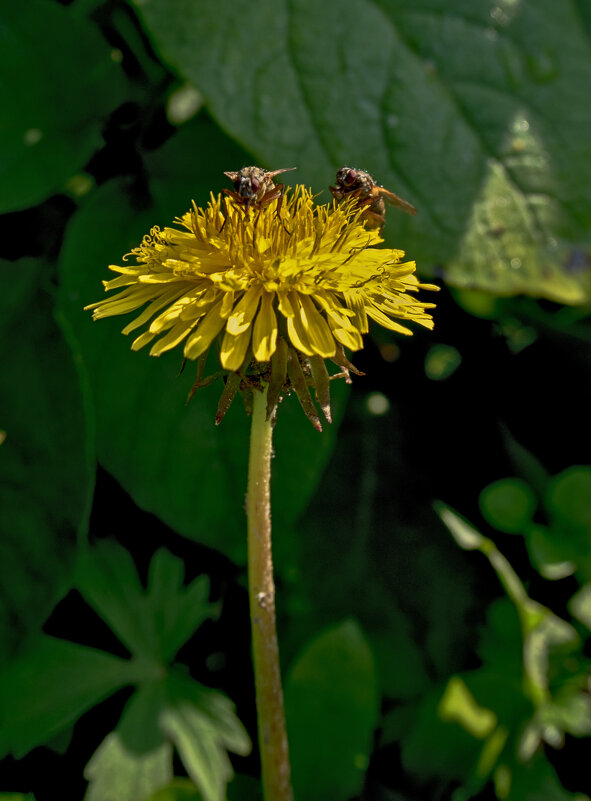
(350, 177)
(237, 184)
(255, 184)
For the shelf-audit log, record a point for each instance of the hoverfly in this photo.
(371, 196)
(254, 188)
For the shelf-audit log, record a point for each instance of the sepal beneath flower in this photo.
(300, 386)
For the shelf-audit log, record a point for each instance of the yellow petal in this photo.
(234, 350)
(128, 300)
(347, 336)
(297, 331)
(320, 336)
(285, 305)
(245, 310)
(264, 335)
(382, 319)
(207, 329)
(155, 305)
(142, 340)
(176, 334)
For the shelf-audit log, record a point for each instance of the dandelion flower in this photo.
(279, 295)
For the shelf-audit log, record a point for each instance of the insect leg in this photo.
(232, 195)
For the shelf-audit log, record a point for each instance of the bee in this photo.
(254, 188)
(371, 196)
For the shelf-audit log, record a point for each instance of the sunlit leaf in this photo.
(568, 504)
(331, 691)
(457, 107)
(134, 760)
(551, 554)
(46, 470)
(202, 725)
(580, 605)
(59, 83)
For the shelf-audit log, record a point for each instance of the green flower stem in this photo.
(261, 590)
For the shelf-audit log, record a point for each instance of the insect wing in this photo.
(398, 202)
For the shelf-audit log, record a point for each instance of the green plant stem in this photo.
(261, 591)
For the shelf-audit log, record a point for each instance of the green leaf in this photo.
(178, 611)
(331, 693)
(580, 605)
(134, 760)
(537, 781)
(170, 457)
(434, 747)
(455, 107)
(16, 797)
(569, 497)
(459, 732)
(152, 624)
(46, 470)
(50, 686)
(203, 726)
(508, 505)
(59, 83)
(568, 501)
(178, 790)
(465, 535)
(550, 553)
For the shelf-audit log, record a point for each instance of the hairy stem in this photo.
(261, 590)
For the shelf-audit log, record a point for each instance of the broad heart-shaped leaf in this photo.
(152, 623)
(476, 113)
(203, 726)
(171, 457)
(59, 83)
(331, 702)
(46, 473)
(134, 760)
(49, 686)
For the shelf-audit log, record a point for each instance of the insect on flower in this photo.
(254, 188)
(371, 196)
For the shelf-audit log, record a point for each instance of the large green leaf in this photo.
(59, 82)
(171, 457)
(478, 114)
(49, 686)
(46, 473)
(331, 696)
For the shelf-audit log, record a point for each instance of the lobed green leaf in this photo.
(49, 686)
(152, 623)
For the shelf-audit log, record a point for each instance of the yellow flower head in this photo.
(282, 295)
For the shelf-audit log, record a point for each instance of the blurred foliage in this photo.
(168, 709)
(410, 672)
